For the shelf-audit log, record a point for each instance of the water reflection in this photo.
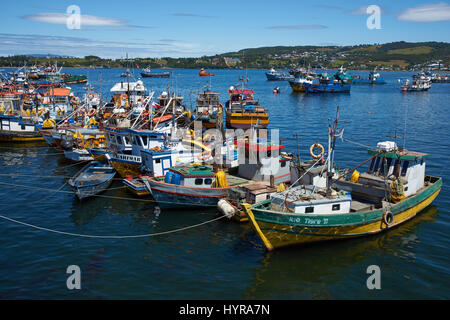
(308, 272)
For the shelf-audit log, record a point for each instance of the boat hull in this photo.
(11, 136)
(125, 168)
(247, 120)
(173, 196)
(280, 230)
(297, 87)
(327, 88)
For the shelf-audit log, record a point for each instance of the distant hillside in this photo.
(390, 56)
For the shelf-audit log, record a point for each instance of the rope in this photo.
(357, 143)
(101, 195)
(110, 236)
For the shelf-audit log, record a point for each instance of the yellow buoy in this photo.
(355, 176)
(281, 187)
(221, 179)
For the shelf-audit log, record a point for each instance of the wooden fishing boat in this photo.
(14, 128)
(191, 186)
(394, 190)
(199, 185)
(243, 111)
(136, 186)
(94, 178)
(209, 110)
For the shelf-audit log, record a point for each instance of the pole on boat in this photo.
(331, 146)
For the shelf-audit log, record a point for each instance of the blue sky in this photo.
(191, 28)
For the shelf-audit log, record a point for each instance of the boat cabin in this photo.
(409, 166)
(311, 200)
(263, 159)
(128, 91)
(57, 100)
(118, 140)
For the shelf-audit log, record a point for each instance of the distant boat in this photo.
(147, 73)
(273, 75)
(374, 78)
(418, 84)
(92, 179)
(204, 73)
(325, 84)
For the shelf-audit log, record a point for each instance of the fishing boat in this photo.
(147, 73)
(127, 161)
(14, 128)
(373, 78)
(325, 84)
(58, 102)
(394, 190)
(94, 178)
(75, 144)
(202, 185)
(209, 110)
(343, 76)
(243, 110)
(298, 84)
(440, 78)
(418, 84)
(74, 79)
(273, 75)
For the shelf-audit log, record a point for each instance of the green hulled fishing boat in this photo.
(393, 190)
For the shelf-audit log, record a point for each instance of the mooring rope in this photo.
(110, 236)
(104, 196)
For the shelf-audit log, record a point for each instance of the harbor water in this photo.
(224, 259)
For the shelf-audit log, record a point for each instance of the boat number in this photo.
(309, 220)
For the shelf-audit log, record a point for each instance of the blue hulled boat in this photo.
(325, 84)
(94, 178)
(273, 75)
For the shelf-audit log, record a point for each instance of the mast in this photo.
(331, 147)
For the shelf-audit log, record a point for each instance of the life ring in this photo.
(388, 217)
(311, 150)
(92, 113)
(124, 96)
(204, 155)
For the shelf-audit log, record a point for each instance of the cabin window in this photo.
(405, 167)
(134, 141)
(208, 181)
(336, 207)
(127, 140)
(144, 141)
(372, 164)
(283, 164)
(158, 161)
(119, 141)
(377, 163)
(23, 127)
(198, 181)
(309, 210)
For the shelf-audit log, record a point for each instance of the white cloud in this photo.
(86, 20)
(427, 13)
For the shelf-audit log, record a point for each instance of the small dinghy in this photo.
(94, 178)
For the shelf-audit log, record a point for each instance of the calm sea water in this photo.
(226, 260)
